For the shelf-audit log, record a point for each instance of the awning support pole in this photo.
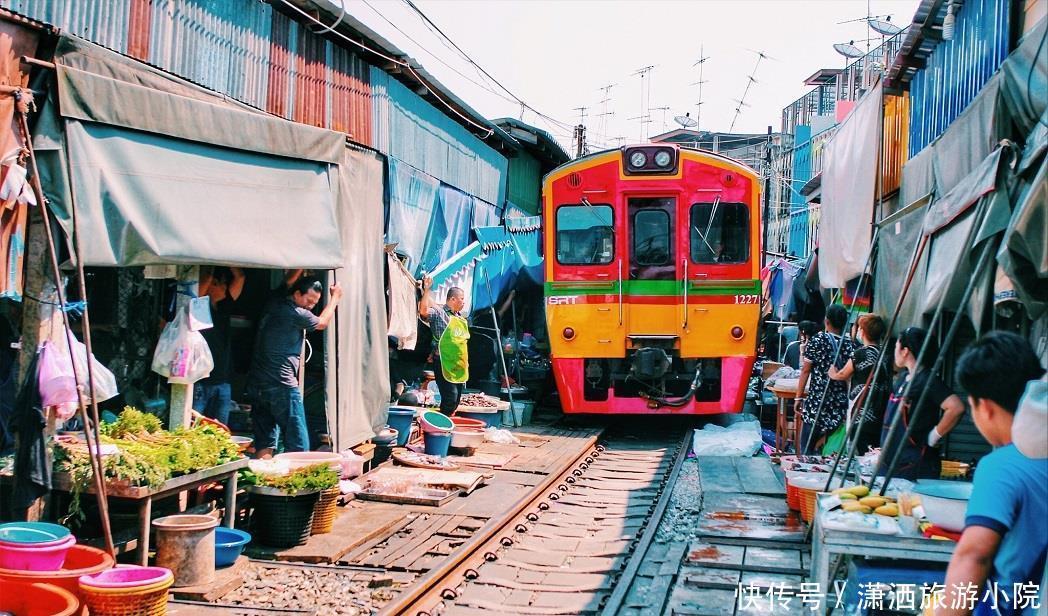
(498, 339)
(91, 434)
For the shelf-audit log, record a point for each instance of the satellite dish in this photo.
(884, 27)
(848, 50)
(685, 120)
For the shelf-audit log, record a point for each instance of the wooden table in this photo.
(784, 432)
(827, 543)
(145, 495)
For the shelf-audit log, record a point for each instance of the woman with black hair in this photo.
(941, 411)
(859, 369)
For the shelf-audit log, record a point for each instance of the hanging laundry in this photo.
(783, 279)
(402, 306)
(32, 468)
(15, 198)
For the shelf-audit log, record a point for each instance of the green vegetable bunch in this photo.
(131, 422)
(317, 477)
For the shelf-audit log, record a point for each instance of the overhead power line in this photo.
(489, 131)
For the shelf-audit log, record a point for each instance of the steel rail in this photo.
(431, 588)
(622, 585)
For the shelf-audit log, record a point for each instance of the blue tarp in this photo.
(412, 197)
(485, 214)
(526, 234)
(449, 230)
(497, 271)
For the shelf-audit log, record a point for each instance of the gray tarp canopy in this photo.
(162, 171)
(953, 173)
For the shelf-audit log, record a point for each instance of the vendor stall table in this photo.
(145, 495)
(826, 543)
(784, 431)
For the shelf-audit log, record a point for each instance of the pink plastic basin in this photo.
(46, 558)
(127, 576)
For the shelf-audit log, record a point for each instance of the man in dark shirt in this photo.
(211, 396)
(273, 383)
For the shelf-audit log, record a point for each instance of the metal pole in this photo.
(984, 258)
(837, 353)
(922, 242)
(978, 217)
(94, 451)
(498, 339)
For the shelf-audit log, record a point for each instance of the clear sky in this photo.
(557, 55)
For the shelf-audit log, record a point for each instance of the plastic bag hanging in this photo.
(182, 355)
(59, 385)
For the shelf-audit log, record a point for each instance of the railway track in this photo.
(570, 549)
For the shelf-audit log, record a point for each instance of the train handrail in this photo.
(684, 286)
(620, 291)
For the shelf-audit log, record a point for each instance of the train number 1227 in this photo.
(747, 299)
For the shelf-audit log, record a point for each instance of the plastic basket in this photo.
(324, 511)
(807, 502)
(282, 521)
(147, 601)
(793, 497)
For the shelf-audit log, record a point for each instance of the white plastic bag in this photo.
(59, 384)
(497, 435)
(182, 355)
(741, 439)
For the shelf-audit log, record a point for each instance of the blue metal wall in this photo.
(408, 128)
(958, 69)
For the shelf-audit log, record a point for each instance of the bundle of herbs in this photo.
(146, 454)
(314, 478)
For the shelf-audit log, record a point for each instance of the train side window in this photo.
(585, 235)
(720, 233)
(651, 237)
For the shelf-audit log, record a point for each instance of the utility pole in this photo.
(701, 63)
(663, 110)
(750, 80)
(645, 98)
(580, 141)
(605, 113)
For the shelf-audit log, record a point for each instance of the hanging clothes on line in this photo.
(402, 306)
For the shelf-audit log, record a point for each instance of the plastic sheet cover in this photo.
(848, 182)
(412, 200)
(497, 271)
(358, 371)
(449, 229)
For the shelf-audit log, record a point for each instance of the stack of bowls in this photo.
(127, 589)
(436, 432)
(34, 546)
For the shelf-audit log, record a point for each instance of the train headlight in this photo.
(663, 158)
(638, 159)
(737, 332)
(569, 333)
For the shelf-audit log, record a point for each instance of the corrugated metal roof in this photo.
(102, 21)
(412, 130)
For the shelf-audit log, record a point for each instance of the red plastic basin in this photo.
(36, 599)
(80, 560)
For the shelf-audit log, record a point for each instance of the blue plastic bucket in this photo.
(437, 443)
(400, 418)
(229, 543)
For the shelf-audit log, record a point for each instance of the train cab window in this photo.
(720, 233)
(651, 237)
(585, 235)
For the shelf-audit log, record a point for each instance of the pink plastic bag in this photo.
(58, 383)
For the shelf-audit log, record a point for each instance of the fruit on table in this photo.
(872, 501)
(846, 496)
(855, 506)
(890, 510)
(858, 491)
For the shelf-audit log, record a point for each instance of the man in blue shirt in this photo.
(999, 561)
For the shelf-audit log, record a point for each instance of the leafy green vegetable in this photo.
(306, 479)
(131, 422)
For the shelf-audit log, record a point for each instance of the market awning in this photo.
(162, 171)
(848, 183)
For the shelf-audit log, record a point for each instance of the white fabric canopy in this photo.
(849, 179)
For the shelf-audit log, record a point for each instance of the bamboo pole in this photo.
(94, 451)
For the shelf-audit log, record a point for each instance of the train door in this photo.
(653, 262)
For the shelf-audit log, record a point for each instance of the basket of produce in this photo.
(284, 504)
(138, 452)
(795, 480)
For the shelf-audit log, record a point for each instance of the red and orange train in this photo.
(652, 280)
